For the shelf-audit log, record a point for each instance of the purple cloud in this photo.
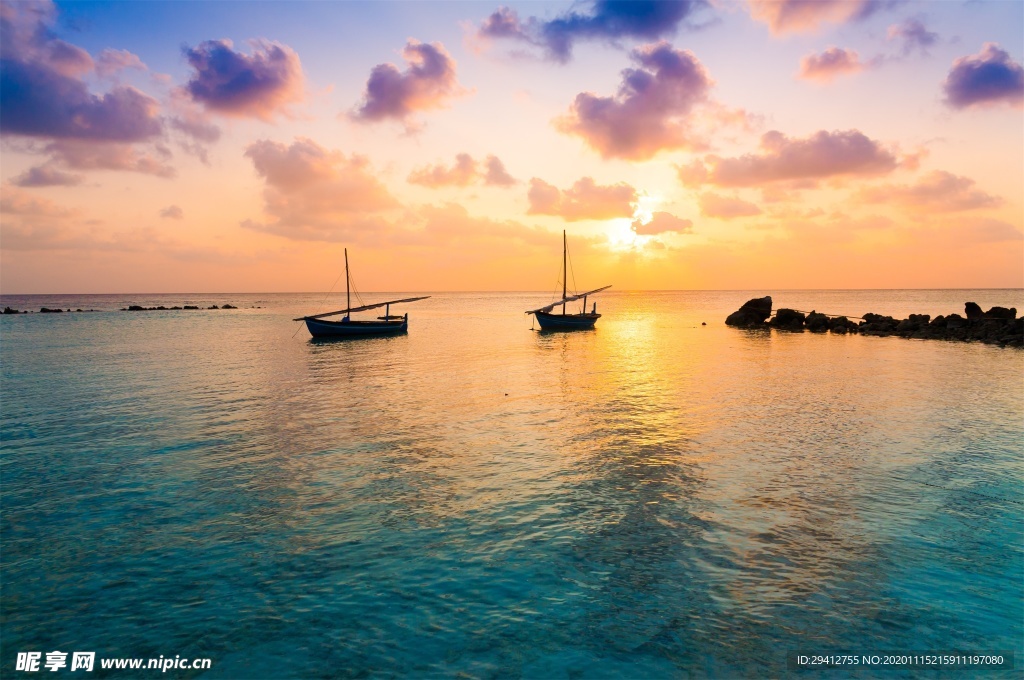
(46, 176)
(586, 200)
(987, 78)
(37, 100)
(428, 83)
(259, 85)
(914, 35)
(651, 111)
(607, 20)
(822, 155)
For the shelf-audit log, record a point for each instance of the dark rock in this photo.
(972, 311)
(213, 307)
(136, 308)
(913, 324)
(954, 321)
(753, 313)
(1001, 313)
(841, 324)
(788, 319)
(191, 307)
(8, 310)
(47, 310)
(228, 307)
(816, 322)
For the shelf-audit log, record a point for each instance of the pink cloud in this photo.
(429, 82)
(913, 34)
(938, 191)
(661, 223)
(312, 193)
(260, 85)
(803, 161)
(987, 78)
(826, 66)
(464, 172)
(113, 61)
(586, 200)
(726, 207)
(650, 113)
(172, 212)
(806, 16)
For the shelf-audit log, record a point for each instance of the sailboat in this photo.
(347, 328)
(564, 321)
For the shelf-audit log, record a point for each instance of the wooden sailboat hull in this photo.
(565, 322)
(319, 328)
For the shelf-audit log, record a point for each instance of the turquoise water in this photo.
(653, 499)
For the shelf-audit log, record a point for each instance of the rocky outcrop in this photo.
(752, 314)
(788, 320)
(998, 326)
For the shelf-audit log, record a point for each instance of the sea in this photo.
(661, 497)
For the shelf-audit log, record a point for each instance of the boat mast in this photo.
(348, 294)
(565, 272)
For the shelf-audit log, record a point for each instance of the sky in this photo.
(160, 147)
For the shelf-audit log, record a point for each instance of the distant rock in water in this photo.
(47, 310)
(213, 307)
(8, 310)
(998, 326)
(1001, 313)
(753, 313)
(788, 320)
(228, 307)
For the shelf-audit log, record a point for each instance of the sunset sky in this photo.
(240, 146)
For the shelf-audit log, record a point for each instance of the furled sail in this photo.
(569, 298)
(361, 309)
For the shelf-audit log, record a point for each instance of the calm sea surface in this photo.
(653, 499)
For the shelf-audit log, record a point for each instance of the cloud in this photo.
(726, 207)
(987, 78)
(986, 231)
(651, 111)
(833, 62)
(259, 85)
(586, 200)
(44, 96)
(113, 61)
(172, 212)
(914, 36)
(428, 83)
(37, 100)
(312, 193)
(662, 222)
(46, 176)
(807, 16)
(938, 191)
(608, 20)
(496, 174)
(464, 172)
(803, 161)
(84, 155)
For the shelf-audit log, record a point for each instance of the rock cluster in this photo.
(999, 325)
(139, 308)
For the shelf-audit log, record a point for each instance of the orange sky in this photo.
(241, 146)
